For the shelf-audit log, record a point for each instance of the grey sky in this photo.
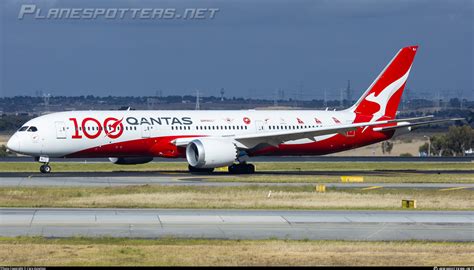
(249, 48)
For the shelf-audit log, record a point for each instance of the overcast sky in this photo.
(250, 48)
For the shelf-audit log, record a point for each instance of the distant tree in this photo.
(424, 148)
(470, 118)
(10, 123)
(387, 147)
(439, 146)
(460, 139)
(453, 143)
(3, 151)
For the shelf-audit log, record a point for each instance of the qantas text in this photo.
(159, 121)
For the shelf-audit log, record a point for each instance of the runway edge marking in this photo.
(453, 188)
(373, 187)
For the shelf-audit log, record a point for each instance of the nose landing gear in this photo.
(45, 168)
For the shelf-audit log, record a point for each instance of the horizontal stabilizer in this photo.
(411, 125)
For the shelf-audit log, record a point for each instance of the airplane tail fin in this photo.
(382, 97)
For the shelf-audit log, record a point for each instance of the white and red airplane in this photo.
(210, 139)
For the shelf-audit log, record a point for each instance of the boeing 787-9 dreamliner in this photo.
(210, 139)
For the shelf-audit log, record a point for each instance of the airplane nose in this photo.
(14, 143)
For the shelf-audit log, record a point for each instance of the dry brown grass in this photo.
(399, 147)
(227, 252)
(280, 199)
(303, 197)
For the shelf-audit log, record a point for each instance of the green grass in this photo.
(261, 166)
(81, 251)
(243, 197)
(91, 167)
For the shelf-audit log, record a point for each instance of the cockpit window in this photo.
(23, 128)
(32, 129)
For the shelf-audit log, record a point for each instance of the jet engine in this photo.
(210, 153)
(130, 160)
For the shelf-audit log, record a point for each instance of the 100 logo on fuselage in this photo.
(113, 127)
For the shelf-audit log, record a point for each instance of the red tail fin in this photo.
(383, 96)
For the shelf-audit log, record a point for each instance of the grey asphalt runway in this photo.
(189, 180)
(238, 224)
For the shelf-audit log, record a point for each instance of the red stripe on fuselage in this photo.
(334, 144)
(163, 146)
(156, 147)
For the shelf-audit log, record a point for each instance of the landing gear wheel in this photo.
(199, 170)
(45, 168)
(250, 168)
(242, 168)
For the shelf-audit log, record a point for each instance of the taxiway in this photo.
(239, 224)
(180, 179)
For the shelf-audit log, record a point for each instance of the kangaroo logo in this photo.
(116, 129)
(385, 95)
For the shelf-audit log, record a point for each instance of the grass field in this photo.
(261, 166)
(174, 252)
(382, 177)
(245, 197)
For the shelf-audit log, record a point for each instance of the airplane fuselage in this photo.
(151, 133)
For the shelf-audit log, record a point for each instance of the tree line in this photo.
(455, 142)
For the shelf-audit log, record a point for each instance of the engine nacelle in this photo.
(210, 153)
(130, 160)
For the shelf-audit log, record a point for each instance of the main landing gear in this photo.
(199, 170)
(45, 168)
(238, 168)
(242, 168)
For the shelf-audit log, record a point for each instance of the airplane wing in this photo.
(275, 138)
